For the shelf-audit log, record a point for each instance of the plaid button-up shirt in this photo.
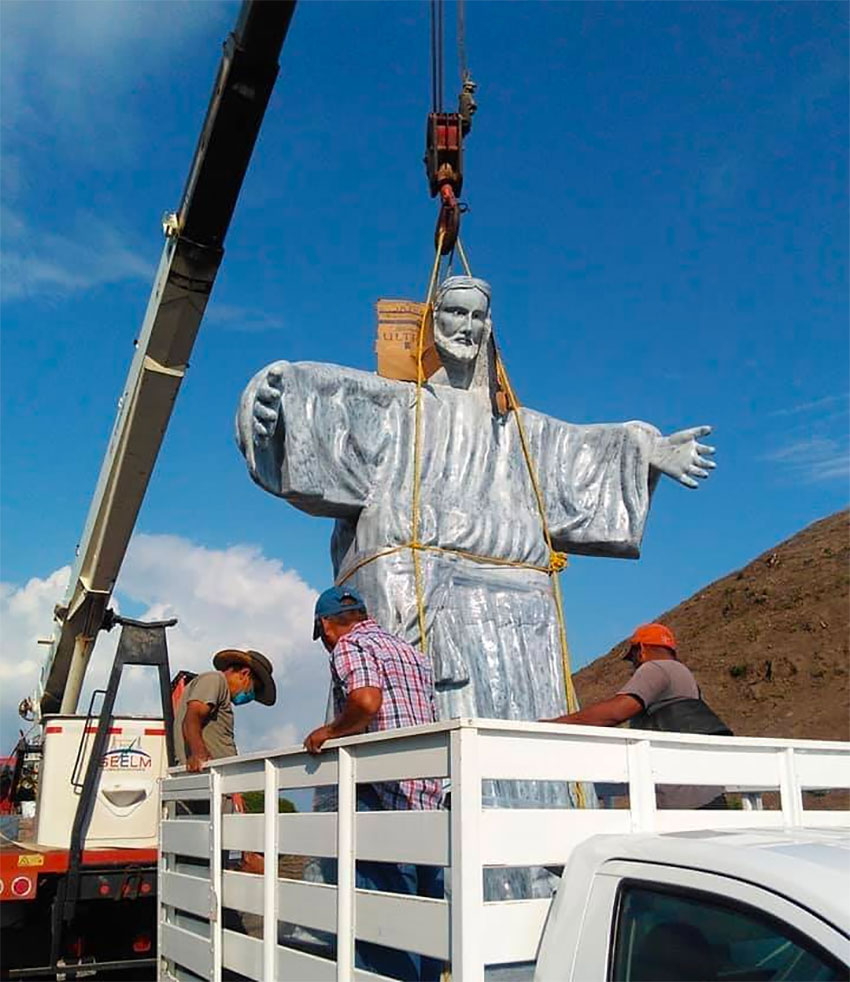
(369, 656)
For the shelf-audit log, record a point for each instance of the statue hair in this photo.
(462, 283)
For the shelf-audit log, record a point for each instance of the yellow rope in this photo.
(463, 553)
(417, 447)
(463, 259)
(557, 560)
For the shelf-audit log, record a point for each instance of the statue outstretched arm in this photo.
(599, 479)
(316, 434)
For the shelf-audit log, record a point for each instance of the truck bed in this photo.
(463, 929)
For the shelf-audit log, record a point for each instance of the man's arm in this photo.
(357, 713)
(193, 724)
(609, 712)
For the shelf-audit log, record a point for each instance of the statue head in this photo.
(461, 322)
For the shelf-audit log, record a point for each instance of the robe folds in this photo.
(343, 448)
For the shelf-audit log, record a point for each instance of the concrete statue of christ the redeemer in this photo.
(339, 443)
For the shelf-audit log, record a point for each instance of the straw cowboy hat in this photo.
(265, 690)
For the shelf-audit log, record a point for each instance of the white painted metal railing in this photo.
(194, 888)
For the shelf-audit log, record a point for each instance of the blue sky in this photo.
(658, 194)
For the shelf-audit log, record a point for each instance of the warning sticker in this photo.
(31, 859)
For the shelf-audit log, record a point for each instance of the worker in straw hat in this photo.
(662, 694)
(203, 719)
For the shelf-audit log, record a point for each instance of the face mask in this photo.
(242, 697)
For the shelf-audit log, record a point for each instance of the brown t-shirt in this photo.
(217, 732)
(656, 683)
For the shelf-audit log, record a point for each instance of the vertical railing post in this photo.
(215, 873)
(641, 785)
(270, 860)
(790, 793)
(345, 853)
(166, 811)
(467, 887)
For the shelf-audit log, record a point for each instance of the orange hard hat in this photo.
(658, 634)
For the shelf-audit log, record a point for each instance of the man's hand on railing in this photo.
(197, 713)
(357, 713)
(315, 740)
(196, 760)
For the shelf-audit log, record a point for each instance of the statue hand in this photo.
(266, 408)
(681, 457)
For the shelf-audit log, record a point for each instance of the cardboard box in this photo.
(399, 322)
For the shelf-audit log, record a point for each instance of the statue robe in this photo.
(343, 448)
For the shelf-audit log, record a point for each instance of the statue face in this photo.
(460, 324)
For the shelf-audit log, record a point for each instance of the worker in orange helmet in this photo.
(662, 694)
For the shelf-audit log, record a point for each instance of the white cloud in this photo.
(26, 614)
(234, 597)
(67, 68)
(814, 459)
(244, 319)
(74, 78)
(285, 735)
(54, 266)
(815, 404)
(816, 447)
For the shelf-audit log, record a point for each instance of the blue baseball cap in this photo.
(336, 600)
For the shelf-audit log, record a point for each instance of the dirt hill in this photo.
(769, 644)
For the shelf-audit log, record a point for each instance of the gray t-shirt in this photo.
(217, 732)
(656, 683)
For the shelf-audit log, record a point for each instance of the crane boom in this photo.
(190, 260)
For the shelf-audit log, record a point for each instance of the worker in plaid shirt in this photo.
(380, 682)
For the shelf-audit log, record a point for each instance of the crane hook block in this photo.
(444, 166)
(444, 152)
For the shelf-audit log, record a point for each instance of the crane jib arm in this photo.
(190, 260)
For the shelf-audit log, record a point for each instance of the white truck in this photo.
(754, 892)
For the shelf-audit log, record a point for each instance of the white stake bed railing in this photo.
(464, 930)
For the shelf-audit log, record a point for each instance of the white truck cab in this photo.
(702, 905)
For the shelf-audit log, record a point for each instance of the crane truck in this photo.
(77, 892)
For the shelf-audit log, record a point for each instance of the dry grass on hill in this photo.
(769, 644)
